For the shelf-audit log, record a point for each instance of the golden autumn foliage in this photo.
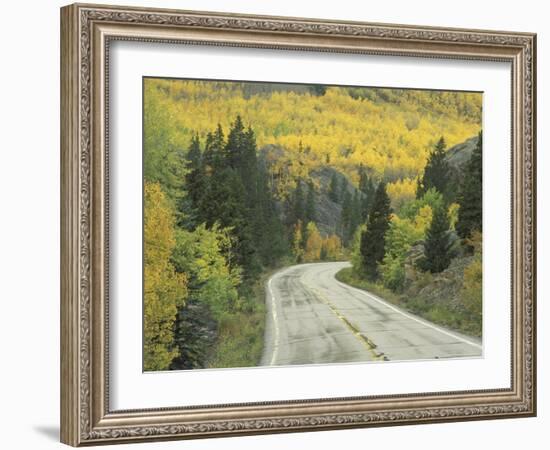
(388, 130)
(401, 191)
(332, 248)
(297, 239)
(453, 214)
(314, 243)
(310, 246)
(164, 289)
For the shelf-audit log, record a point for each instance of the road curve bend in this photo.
(312, 318)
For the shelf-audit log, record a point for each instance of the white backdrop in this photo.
(132, 389)
(29, 229)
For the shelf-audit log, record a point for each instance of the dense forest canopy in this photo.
(243, 178)
(390, 131)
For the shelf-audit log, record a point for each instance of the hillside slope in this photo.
(389, 131)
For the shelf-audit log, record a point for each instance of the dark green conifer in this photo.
(470, 216)
(438, 245)
(373, 239)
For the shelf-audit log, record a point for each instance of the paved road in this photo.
(313, 318)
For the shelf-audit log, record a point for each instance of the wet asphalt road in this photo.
(313, 319)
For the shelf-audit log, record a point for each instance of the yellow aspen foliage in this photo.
(314, 243)
(423, 219)
(332, 246)
(390, 131)
(164, 289)
(400, 192)
(453, 214)
(297, 239)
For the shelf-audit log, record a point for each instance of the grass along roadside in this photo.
(241, 334)
(439, 314)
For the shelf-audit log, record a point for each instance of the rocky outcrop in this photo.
(328, 212)
(434, 288)
(459, 155)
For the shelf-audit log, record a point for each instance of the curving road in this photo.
(313, 318)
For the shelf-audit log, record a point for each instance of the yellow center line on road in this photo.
(371, 346)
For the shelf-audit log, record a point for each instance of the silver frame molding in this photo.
(86, 32)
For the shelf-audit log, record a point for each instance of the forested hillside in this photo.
(389, 131)
(242, 178)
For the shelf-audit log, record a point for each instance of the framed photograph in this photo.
(275, 224)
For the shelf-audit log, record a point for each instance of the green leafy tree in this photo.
(401, 235)
(431, 198)
(438, 246)
(373, 239)
(203, 256)
(470, 199)
(436, 173)
(165, 290)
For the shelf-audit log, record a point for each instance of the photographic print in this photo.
(293, 224)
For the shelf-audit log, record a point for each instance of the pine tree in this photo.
(194, 179)
(334, 189)
(298, 205)
(268, 230)
(438, 245)
(310, 204)
(355, 216)
(372, 245)
(366, 186)
(213, 151)
(343, 189)
(235, 147)
(363, 180)
(436, 173)
(345, 218)
(470, 199)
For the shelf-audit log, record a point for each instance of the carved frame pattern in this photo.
(86, 418)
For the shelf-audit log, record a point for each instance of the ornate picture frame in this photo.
(87, 32)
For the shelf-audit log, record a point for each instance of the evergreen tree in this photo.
(363, 179)
(345, 218)
(367, 187)
(372, 245)
(310, 204)
(235, 147)
(298, 205)
(343, 189)
(268, 231)
(213, 151)
(470, 199)
(334, 189)
(436, 173)
(438, 246)
(355, 216)
(194, 180)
